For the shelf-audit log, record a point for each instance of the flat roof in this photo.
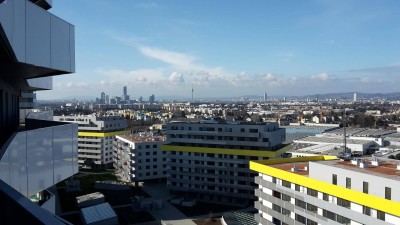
(302, 127)
(387, 168)
(91, 196)
(361, 132)
(293, 167)
(97, 213)
(143, 138)
(332, 140)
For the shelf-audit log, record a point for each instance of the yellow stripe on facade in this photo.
(224, 151)
(371, 201)
(104, 134)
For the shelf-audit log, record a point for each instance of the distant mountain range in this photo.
(360, 95)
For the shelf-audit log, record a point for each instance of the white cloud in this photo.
(71, 85)
(176, 59)
(132, 76)
(176, 77)
(368, 80)
(322, 77)
(185, 63)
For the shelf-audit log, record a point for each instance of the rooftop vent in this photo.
(375, 161)
(293, 169)
(354, 161)
(363, 164)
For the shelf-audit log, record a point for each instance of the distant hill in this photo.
(349, 95)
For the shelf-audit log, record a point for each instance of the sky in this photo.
(230, 48)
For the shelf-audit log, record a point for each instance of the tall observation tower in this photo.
(192, 92)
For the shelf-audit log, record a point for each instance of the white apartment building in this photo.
(209, 160)
(325, 190)
(138, 157)
(95, 138)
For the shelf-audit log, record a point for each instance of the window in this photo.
(366, 210)
(343, 220)
(276, 208)
(334, 179)
(329, 214)
(297, 187)
(311, 222)
(380, 215)
(300, 219)
(388, 193)
(300, 203)
(286, 198)
(348, 182)
(312, 192)
(285, 212)
(343, 202)
(365, 187)
(242, 130)
(312, 208)
(276, 194)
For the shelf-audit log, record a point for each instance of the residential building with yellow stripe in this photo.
(96, 135)
(325, 190)
(209, 160)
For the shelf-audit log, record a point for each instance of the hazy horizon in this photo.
(230, 48)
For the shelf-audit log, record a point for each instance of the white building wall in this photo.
(376, 183)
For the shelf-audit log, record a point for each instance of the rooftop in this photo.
(387, 168)
(302, 127)
(144, 137)
(94, 214)
(331, 140)
(331, 149)
(361, 132)
(294, 167)
(221, 121)
(91, 196)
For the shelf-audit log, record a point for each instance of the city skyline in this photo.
(282, 48)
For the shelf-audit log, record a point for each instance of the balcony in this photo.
(19, 210)
(37, 43)
(39, 155)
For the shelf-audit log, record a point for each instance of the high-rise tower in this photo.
(192, 92)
